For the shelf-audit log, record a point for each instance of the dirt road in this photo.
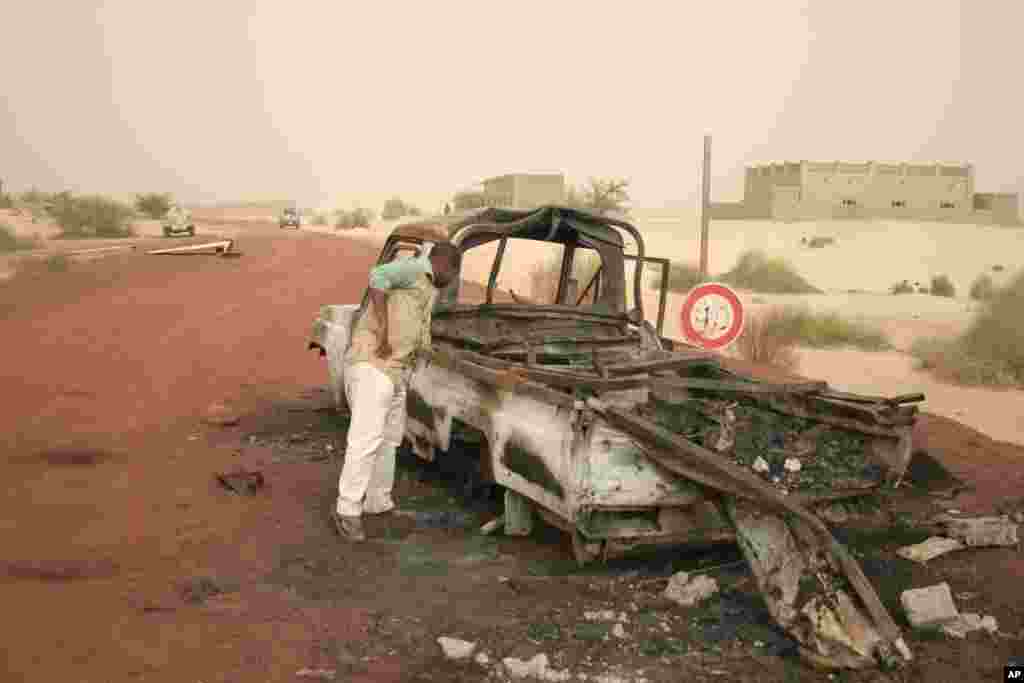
(123, 560)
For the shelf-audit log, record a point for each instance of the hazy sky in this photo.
(336, 102)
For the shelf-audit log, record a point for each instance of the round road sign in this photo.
(712, 316)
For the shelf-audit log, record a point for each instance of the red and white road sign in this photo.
(712, 316)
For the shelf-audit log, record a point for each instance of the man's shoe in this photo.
(349, 528)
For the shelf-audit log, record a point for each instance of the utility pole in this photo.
(705, 207)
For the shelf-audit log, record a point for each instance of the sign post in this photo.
(705, 207)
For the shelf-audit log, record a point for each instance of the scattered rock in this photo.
(198, 589)
(456, 649)
(482, 659)
(517, 668)
(929, 606)
(1018, 517)
(792, 465)
(534, 668)
(761, 465)
(603, 615)
(320, 674)
(220, 415)
(969, 622)
(983, 531)
(687, 591)
(930, 549)
(242, 481)
(619, 631)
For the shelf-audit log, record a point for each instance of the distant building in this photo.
(815, 190)
(524, 190)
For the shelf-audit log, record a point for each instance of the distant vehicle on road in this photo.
(290, 218)
(178, 221)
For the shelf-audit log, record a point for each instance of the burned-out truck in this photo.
(592, 421)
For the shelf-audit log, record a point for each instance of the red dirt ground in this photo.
(110, 503)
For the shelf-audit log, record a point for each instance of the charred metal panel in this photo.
(519, 457)
(618, 474)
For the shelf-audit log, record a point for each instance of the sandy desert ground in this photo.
(124, 560)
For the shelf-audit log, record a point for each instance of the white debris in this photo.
(492, 526)
(602, 615)
(969, 622)
(687, 591)
(929, 606)
(930, 549)
(456, 649)
(482, 659)
(619, 631)
(517, 668)
(983, 531)
(761, 465)
(962, 625)
(792, 465)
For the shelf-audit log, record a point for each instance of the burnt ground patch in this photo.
(73, 456)
(59, 570)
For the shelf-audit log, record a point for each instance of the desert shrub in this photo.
(320, 219)
(396, 208)
(942, 286)
(544, 276)
(463, 201)
(356, 218)
(153, 205)
(949, 359)
(682, 277)
(91, 216)
(11, 241)
(757, 272)
(37, 267)
(991, 351)
(998, 268)
(819, 242)
(902, 288)
(824, 330)
(983, 288)
(768, 341)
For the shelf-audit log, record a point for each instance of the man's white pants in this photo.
(374, 435)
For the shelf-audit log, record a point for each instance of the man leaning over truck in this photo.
(385, 341)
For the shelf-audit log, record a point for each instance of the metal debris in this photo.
(455, 648)
(687, 591)
(218, 248)
(982, 531)
(930, 549)
(931, 606)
